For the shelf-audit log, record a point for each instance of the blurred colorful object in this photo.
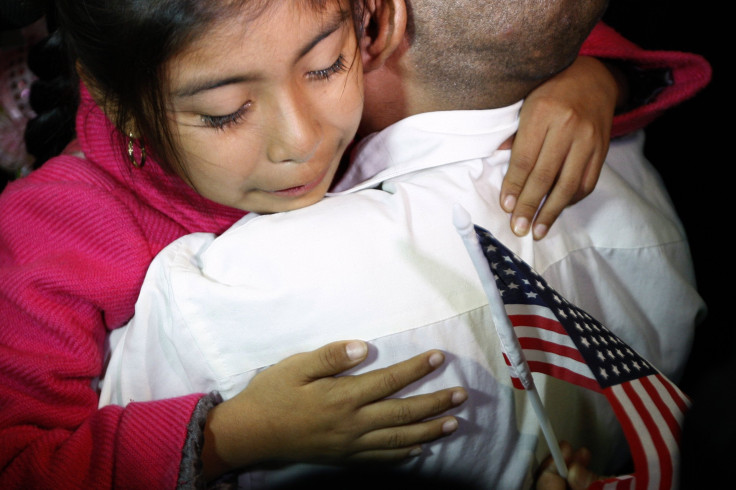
(15, 111)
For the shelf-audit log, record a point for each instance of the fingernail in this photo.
(449, 426)
(356, 350)
(458, 397)
(436, 359)
(415, 452)
(520, 226)
(509, 203)
(540, 231)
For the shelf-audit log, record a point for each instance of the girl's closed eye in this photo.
(324, 74)
(223, 122)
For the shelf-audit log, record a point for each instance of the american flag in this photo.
(561, 340)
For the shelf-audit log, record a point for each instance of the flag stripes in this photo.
(559, 339)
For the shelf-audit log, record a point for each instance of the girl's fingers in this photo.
(380, 383)
(394, 412)
(404, 441)
(541, 179)
(527, 145)
(329, 360)
(564, 191)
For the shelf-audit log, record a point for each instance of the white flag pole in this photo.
(509, 341)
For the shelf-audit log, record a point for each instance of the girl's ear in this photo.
(384, 26)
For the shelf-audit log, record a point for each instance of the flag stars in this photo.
(609, 358)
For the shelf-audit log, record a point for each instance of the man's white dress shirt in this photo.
(382, 262)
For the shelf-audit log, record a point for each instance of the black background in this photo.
(692, 147)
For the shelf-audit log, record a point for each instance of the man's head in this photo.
(477, 54)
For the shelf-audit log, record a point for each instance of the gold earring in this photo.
(131, 152)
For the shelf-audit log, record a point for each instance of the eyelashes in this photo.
(338, 66)
(223, 122)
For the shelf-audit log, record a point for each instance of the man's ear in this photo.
(384, 27)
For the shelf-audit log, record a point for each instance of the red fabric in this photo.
(76, 239)
(690, 73)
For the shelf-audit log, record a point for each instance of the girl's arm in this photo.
(72, 258)
(567, 122)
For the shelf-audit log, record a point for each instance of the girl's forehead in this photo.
(246, 17)
(253, 40)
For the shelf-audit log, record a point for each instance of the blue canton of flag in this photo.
(561, 340)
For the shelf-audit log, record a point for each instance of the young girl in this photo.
(191, 114)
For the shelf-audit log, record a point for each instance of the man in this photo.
(382, 260)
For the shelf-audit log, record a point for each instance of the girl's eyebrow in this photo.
(198, 86)
(334, 24)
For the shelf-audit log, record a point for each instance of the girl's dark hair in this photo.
(122, 47)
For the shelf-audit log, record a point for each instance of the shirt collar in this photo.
(428, 140)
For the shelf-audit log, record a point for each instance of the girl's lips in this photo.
(300, 190)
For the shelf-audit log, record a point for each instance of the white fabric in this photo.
(387, 266)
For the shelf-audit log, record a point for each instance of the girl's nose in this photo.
(296, 132)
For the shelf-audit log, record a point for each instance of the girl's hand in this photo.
(564, 132)
(298, 410)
